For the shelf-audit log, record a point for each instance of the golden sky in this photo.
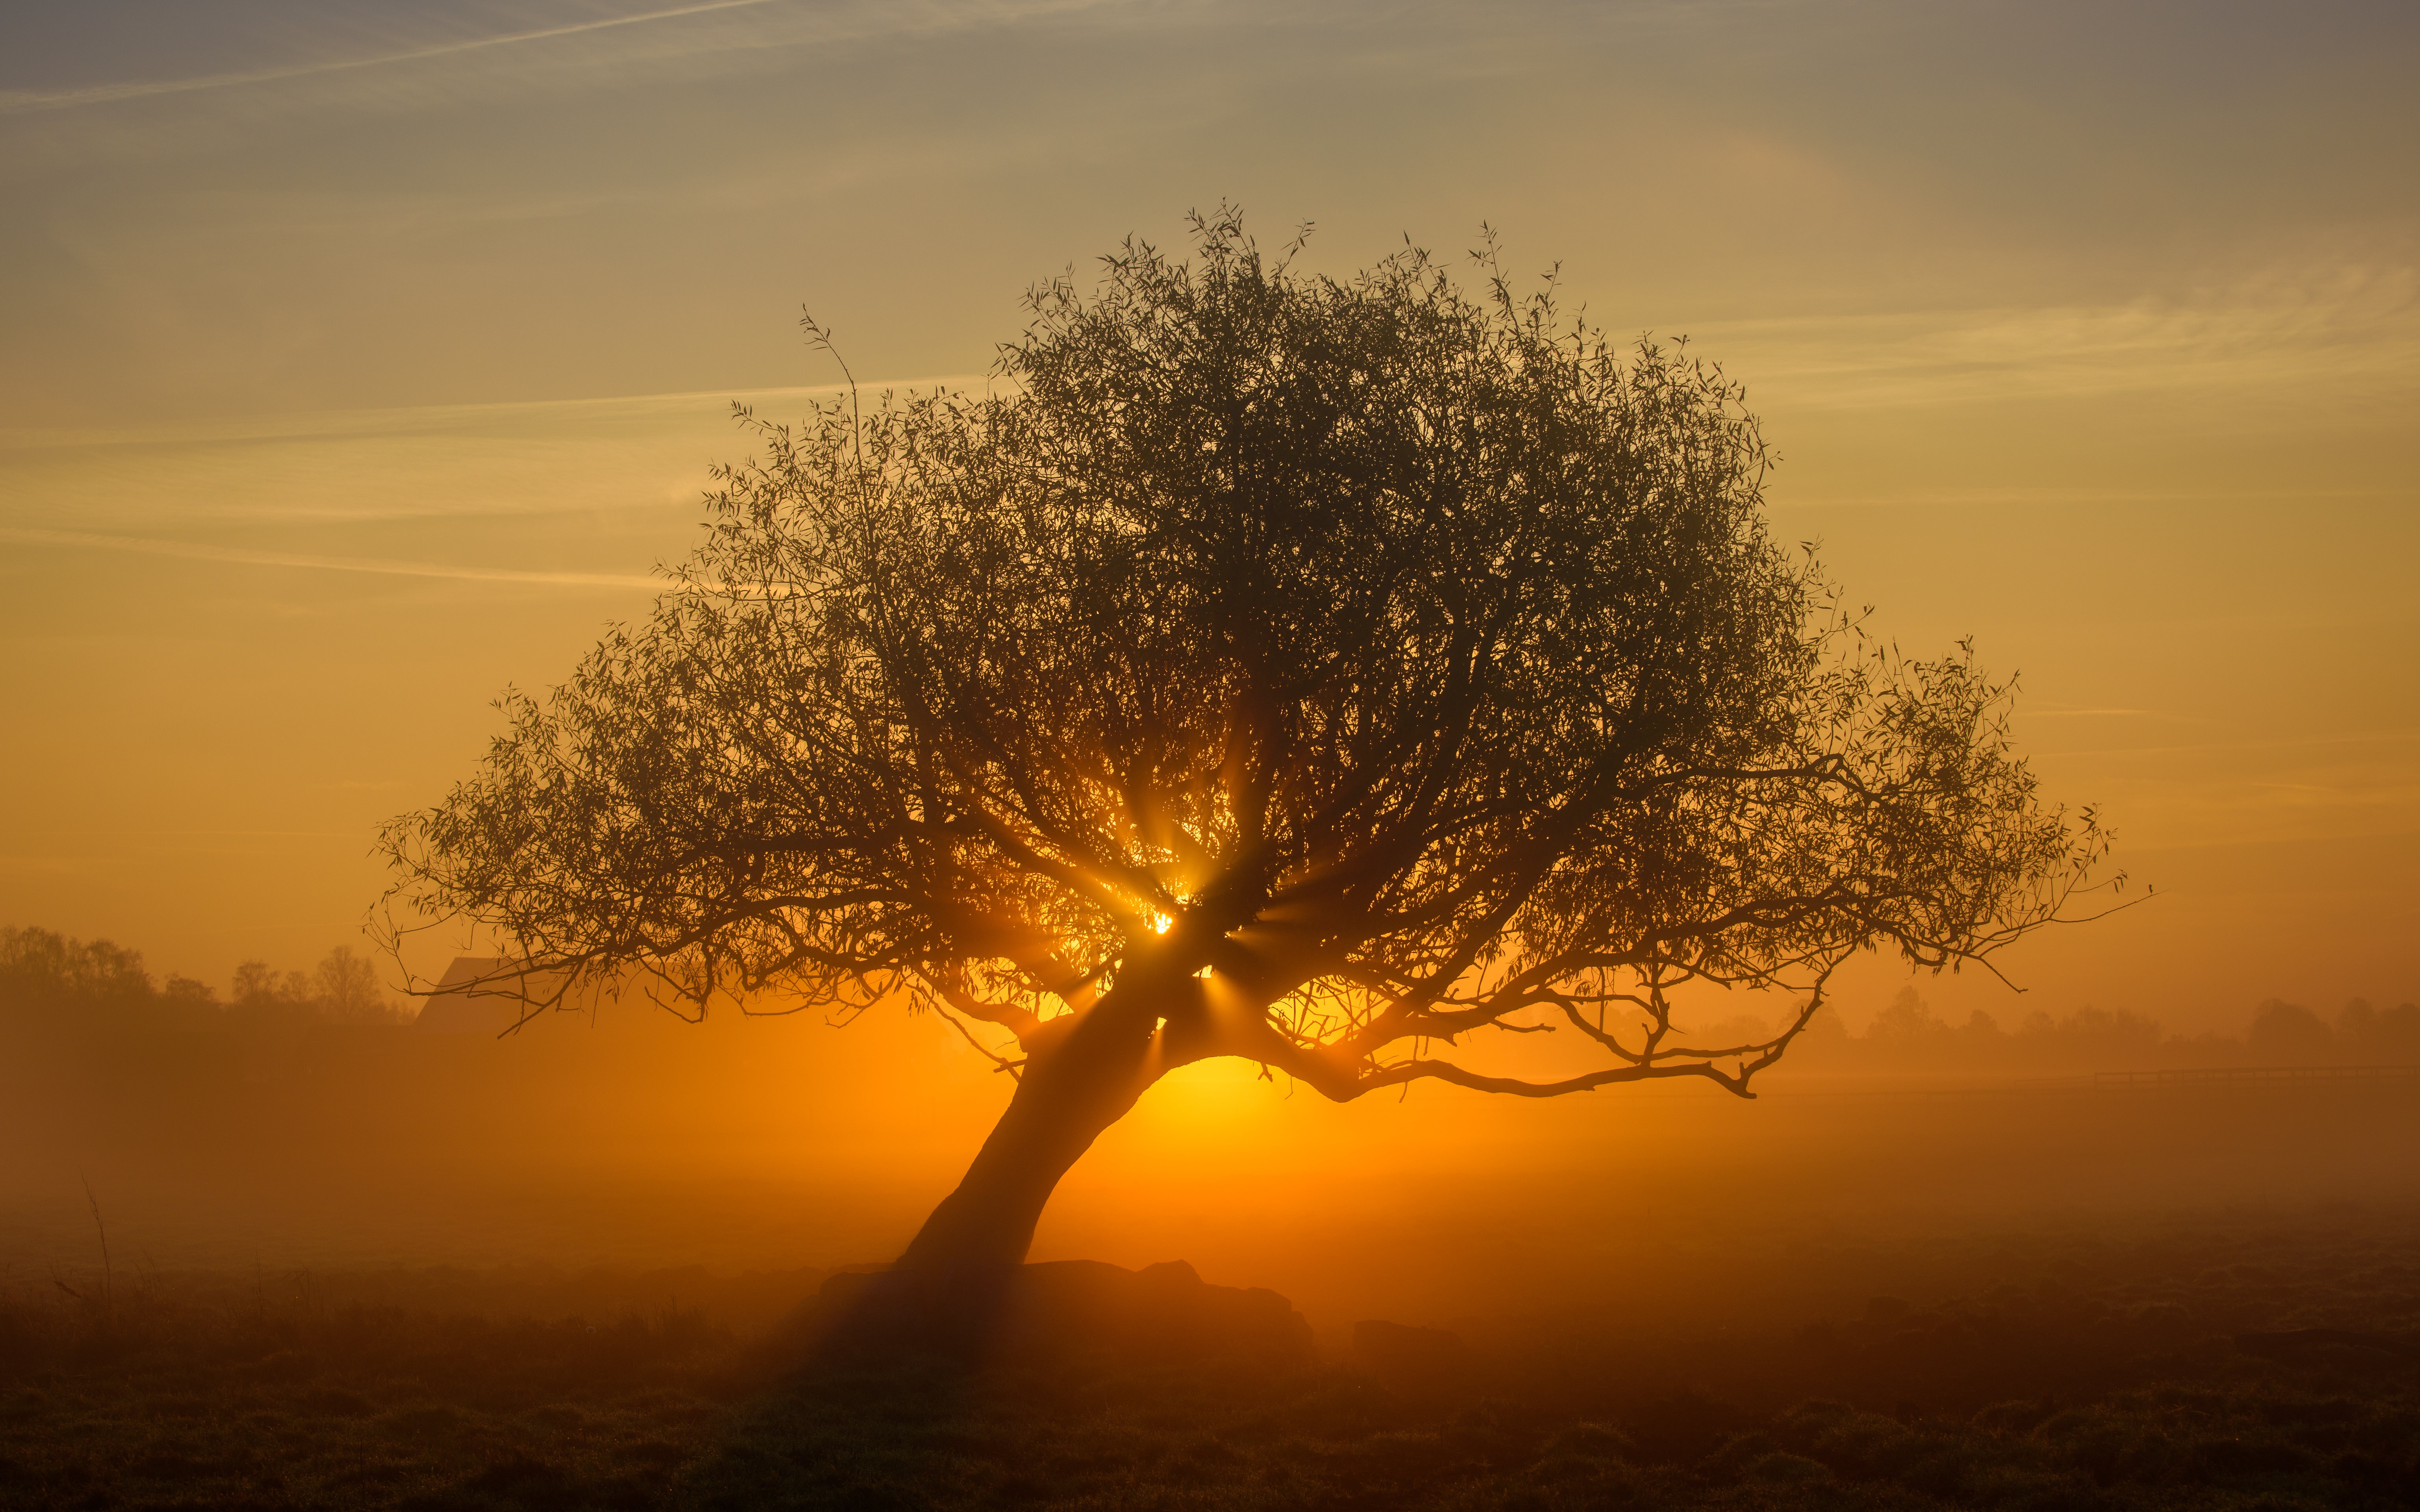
(361, 359)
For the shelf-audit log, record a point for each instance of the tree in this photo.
(1321, 672)
(346, 987)
(45, 963)
(2288, 1033)
(257, 986)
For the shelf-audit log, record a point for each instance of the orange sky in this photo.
(359, 361)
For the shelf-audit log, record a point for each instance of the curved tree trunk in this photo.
(960, 1280)
(1079, 1086)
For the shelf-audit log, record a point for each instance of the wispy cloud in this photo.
(2331, 322)
(491, 417)
(2062, 497)
(2301, 743)
(641, 460)
(799, 26)
(25, 101)
(2073, 714)
(238, 556)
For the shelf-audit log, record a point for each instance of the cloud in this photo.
(503, 417)
(801, 25)
(2070, 497)
(2372, 737)
(642, 458)
(2324, 323)
(80, 540)
(27, 101)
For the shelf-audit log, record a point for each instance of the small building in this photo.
(459, 1006)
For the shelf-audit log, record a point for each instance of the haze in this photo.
(362, 362)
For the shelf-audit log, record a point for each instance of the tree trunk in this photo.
(962, 1279)
(1080, 1085)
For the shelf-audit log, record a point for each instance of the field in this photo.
(2240, 1361)
(553, 1272)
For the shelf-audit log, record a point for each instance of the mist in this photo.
(1915, 1159)
(1934, 1234)
(1809, 901)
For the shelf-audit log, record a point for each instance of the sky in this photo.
(359, 361)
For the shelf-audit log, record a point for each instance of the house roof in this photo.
(456, 1008)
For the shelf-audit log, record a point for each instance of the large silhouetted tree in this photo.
(1317, 672)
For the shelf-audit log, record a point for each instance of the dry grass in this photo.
(2141, 1379)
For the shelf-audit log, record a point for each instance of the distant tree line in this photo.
(43, 969)
(1907, 1035)
(106, 1067)
(40, 967)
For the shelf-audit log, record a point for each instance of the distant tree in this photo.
(1822, 1035)
(1907, 1029)
(347, 989)
(43, 962)
(2111, 1037)
(188, 991)
(2397, 1033)
(278, 1003)
(258, 986)
(2288, 1032)
(343, 988)
(2356, 1022)
(1319, 672)
(44, 970)
(2390, 1035)
(1908, 1034)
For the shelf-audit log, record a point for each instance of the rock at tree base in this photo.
(1058, 1310)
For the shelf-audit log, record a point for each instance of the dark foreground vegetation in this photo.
(2023, 1353)
(2210, 1365)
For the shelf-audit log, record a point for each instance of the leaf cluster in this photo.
(1386, 662)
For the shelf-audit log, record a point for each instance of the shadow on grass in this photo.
(1327, 1438)
(2289, 1385)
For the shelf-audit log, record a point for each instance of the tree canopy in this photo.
(1323, 669)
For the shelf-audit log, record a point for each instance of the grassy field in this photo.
(2269, 1365)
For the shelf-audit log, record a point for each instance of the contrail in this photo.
(197, 553)
(24, 103)
(2068, 714)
